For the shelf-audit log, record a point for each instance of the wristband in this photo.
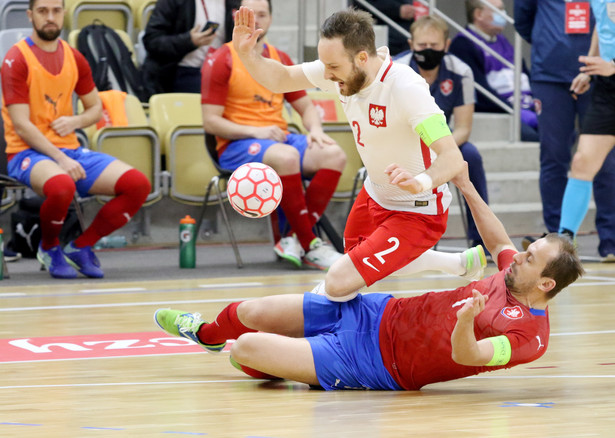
(425, 181)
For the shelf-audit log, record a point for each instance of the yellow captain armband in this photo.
(433, 128)
(501, 351)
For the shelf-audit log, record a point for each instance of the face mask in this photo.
(498, 20)
(428, 59)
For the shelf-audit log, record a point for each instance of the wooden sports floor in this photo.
(86, 360)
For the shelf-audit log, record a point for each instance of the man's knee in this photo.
(135, 183)
(329, 157)
(244, 347)
(343, 279)
(250, 313)
(283, 158)
(59, 187)
(582, 166)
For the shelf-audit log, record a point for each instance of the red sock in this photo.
(295, 209)
(225, 326)
(131, 189)
(59, 191)
(254, 373)
(319, 192)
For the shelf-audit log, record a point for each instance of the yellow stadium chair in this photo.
(136, 144)
(177, 119)
(141, 11)
(116, 14)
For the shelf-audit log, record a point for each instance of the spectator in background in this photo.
(557, 42)
(490, 73)
(402, 13)
(597, 134)
(451, 83)
(248, 121)
(39, 76)
(177, 46)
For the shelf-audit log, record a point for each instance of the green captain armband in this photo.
(501, 351)
(433, 128)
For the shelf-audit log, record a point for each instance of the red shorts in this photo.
(380, 241)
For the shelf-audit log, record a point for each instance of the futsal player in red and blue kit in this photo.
(377, 341)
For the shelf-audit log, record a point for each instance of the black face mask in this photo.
(429, 59)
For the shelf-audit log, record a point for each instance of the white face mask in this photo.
(498, 20)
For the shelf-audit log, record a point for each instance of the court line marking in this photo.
(118, 289)
(602, 281)
(195, 382)
(86, 385)
(227, 285)
(143, 303)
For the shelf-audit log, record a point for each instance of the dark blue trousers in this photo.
(187, 80)
(477, 176)
(558, 134)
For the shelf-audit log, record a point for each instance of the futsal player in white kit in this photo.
(404, 143)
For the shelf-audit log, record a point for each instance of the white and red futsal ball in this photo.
(254, 190)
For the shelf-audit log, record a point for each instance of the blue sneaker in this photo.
(84, 260)
(185, 325)
(54, 261)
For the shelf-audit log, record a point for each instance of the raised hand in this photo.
(245, 35)
(472, 307)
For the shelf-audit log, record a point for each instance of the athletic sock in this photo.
(59, 191)
(251, 371)
(432, 260)
(131, 190)
(295, 209)
(575, 204)
(319, 192)
(225, 326)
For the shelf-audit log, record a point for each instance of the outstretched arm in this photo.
(489, 226)
(269, 73)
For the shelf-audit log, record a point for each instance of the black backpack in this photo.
(110, 60)
(26, 227)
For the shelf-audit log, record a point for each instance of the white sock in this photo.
(432, 260)
(320, 290)
(350, 296)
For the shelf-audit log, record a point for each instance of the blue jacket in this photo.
(554, 53)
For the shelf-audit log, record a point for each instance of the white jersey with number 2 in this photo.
(384, 118)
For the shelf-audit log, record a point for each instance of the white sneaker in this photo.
(475, 262)
(321, 255)
(289, 249)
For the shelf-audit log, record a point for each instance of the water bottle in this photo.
(187, 242)
(2, 258)
(111, 242)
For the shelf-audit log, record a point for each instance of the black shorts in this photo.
(600, 116)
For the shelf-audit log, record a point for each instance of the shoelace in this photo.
(187, 323)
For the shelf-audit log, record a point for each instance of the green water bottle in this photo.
(187, 243)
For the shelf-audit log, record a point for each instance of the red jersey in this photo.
(415, 333)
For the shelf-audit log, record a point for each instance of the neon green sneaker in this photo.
(185, 325)
(475, 262)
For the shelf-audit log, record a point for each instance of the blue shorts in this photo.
(92, 162)
(250, 150)
(345, 343)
